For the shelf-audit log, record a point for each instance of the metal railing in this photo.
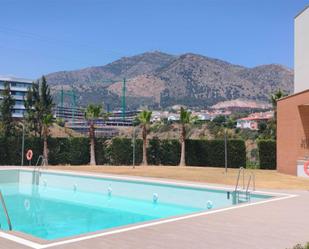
(43, 161)
(252, 177)
(6, 212)
(245, 189)
(241, 170)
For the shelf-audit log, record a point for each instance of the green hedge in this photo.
(267, 154)
(10, 150)
(119, 151)
(170, 152)
(211, 153)
(101, 153)
(74, 151)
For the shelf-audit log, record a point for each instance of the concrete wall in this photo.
(292, 131)
(301, 64)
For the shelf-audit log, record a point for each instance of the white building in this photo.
(173, 117)
(203, 116)
(252, 121)
(19, 88)
(301, 65)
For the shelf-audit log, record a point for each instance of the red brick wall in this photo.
(292, 131)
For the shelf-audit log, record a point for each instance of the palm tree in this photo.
(47, 121)
(274, 98)
(272, 124)
(92, 112)
(144, 119)
(186, 118)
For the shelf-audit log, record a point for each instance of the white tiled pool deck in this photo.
(275, 224)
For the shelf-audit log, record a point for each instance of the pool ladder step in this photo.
(243, 194)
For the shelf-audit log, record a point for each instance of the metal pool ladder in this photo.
(243, 194)
(43, 161)
(5, 211)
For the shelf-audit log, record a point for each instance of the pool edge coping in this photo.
(36, 245)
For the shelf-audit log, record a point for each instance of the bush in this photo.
(36, 145)
(101, 152)
(170, 152)
(10, 150)
(79, 151)
(267, 154)
(74, 151)
(59, 150)
(197, 152)
(121, 151)
(153, 151)
(236, 153)
(211, 153)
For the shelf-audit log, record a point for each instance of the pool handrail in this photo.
(43, 162)
(252, 176)
(5, 211)
(241, 170)
(244, 190)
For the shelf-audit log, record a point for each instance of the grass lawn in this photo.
(264, 178)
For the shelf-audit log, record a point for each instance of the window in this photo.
(19, 102)
(14, 93)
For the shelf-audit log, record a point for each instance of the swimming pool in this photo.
(52, 205)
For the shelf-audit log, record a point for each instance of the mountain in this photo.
(160, 79)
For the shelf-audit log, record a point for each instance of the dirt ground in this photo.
(268, 179)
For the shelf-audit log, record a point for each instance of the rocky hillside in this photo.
(159, 79)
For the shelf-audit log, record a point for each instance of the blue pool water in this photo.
(53, 206)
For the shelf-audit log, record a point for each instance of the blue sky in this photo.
(43, 36)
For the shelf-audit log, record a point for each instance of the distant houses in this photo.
(252, 121)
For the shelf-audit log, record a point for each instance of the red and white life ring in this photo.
(306, 168)
(29, 155)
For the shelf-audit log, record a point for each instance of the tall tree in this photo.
(144, 119)
(186, 118)
(46, 100)
(38, 103)
(30, 113)
(47, 121)
(92, 113)
(6, 111)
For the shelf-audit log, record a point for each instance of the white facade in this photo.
(301, 64)
(19, 88)
(246, 123)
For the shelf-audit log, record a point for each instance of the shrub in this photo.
(197, 152)
(59, 151)
(36, 145)
(236, 153)
(101, 153)
(211, 153)
(10, 150)
(79, 151)
(153, 151)
(170, 152)
(267, 154)
(121, 152)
